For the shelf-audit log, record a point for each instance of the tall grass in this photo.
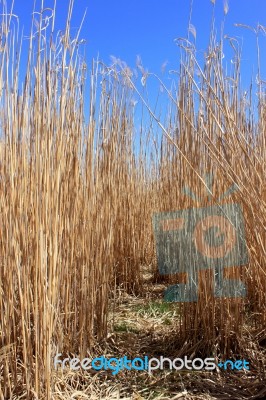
(76, 200)
(216, 132)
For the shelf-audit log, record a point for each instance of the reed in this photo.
(76, 198)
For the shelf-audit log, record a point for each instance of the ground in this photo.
(145, 325)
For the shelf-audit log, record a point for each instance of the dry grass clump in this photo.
(76, 199)
(69, 201)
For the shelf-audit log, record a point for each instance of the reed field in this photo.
(78, 267)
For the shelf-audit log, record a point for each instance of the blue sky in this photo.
(148, 28)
